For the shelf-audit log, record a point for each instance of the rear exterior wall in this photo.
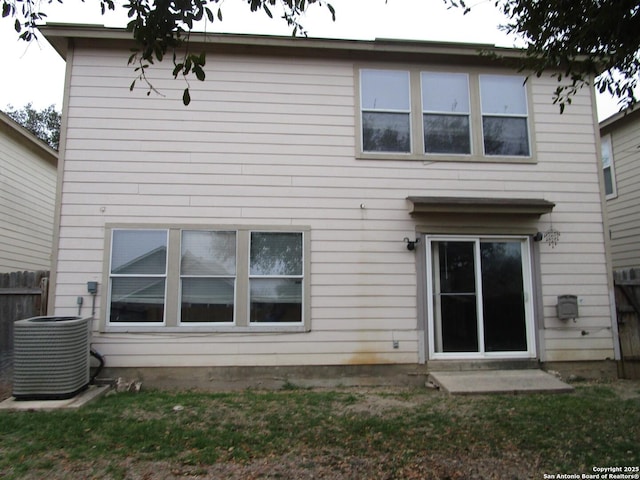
(272, 141)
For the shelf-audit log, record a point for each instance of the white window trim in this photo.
(529, 301)
(171, 323)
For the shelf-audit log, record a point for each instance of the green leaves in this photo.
(7, 9)
(159, 27)
(191, 64)
(44, 124)
(576, 41)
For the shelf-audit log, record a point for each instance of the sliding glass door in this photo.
(479, 293)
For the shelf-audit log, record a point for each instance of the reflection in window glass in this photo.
(503, 95)
(276, 300)
(504, 115)
(276, 273)
(386, 132)
(207, 270)
(139, 252)
(385, 103)
(445, 106)
(138, 276)
(455, 297)
(276, 253)
(445, 92)
(458, 300)
(446, 134)
(503, 303)
(505, 136)
(385, 90)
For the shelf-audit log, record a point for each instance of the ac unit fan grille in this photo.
(51, 357)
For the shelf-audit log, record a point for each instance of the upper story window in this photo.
(608, 171)
(463, 116)
(504, 115)
(445, 113)
(386, 111)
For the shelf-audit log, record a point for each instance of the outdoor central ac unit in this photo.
(51, 357)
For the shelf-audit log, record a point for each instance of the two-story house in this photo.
(367, 206)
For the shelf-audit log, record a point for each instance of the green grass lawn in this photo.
(342, 433)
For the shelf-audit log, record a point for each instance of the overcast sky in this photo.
(35, 73)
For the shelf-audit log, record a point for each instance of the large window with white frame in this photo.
(223, 279)
(207, 276)
(480, 297)
(385, 101)
(138, 273)
(463, 116)
(446, 113)
(275, 277)
(505, 130)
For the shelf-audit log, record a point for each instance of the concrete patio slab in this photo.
(90, 394)
(498, 381)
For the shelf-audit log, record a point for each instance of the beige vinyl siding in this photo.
(624, 209)
(27, 197)
(272, 141)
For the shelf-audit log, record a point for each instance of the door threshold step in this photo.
(483, 364)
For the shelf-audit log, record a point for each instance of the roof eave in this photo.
(28, 139)
(59, 35)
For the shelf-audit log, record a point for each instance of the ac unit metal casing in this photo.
(51, 358)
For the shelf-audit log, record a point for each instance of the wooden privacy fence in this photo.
(627, 291)
(22, 295)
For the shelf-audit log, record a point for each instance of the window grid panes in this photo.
(137, 272)
(445, 113)
(386, 111)
(504, 115)
(276, 272)
(207, 276)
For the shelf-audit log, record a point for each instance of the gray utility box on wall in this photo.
(567, 307)
(51, 357)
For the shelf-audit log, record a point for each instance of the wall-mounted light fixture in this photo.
(411, 244)
(538, 237)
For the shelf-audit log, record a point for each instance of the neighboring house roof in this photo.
(10, 127)
(390, 49)
(620, 118)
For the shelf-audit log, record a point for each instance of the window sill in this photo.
(206, 329)
(443, 158)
